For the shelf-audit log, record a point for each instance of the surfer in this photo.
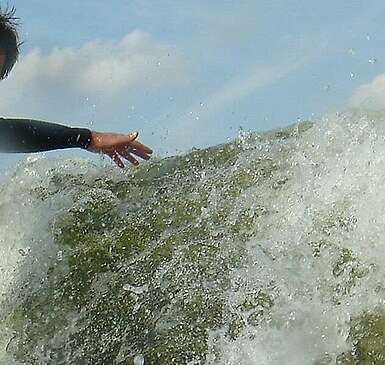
(26, 135)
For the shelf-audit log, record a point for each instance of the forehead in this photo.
(3, 58)
(2, 62)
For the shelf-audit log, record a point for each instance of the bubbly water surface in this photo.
(266, 250)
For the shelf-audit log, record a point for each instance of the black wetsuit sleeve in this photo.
(26, 135)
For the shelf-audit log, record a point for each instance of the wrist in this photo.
(80, 137)
(94, 141)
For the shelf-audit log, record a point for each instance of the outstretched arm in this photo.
(25, 135)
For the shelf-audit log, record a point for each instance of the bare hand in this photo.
(118, 146)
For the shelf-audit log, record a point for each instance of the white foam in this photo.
(26, 241)
(338, 167)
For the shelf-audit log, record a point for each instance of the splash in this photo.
(265, 250)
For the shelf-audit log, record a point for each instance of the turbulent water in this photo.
(266, 250)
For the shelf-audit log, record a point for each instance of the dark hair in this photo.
(9, 39)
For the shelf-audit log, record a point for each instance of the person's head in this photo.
(9, 41)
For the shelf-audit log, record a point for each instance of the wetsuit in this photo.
(26, 135)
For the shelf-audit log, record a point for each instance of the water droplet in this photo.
(201, 104)
(24, 252)
(135, 289)
(372, 60)
(139, 360)
(204, 211)
(352, 75)
(59, 256)
(352, 51)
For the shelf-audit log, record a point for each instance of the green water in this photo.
(250, 252)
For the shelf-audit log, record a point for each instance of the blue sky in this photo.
(190, 74)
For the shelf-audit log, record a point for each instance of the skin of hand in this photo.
(119, 146)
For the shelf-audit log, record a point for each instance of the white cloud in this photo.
(370, 95)
(101, 68)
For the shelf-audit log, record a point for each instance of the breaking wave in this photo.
(266, 250)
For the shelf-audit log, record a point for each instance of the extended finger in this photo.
(141, 154)
(139, 146)
(115, 157)
(130, 158)
(126, 153)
